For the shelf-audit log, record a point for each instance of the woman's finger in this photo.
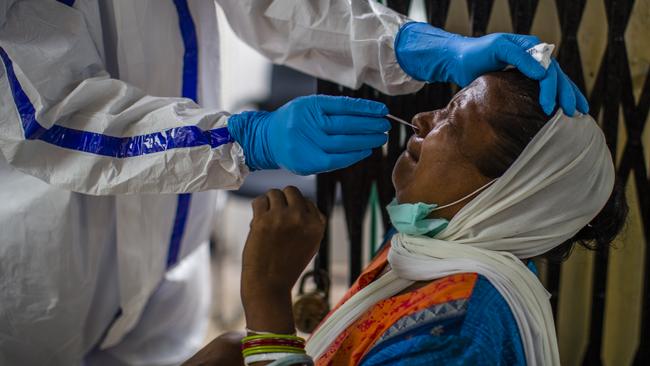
(313, 210)
(260, 205)
(276, 199)
(295, 198)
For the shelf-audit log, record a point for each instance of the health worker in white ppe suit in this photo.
(103, 251)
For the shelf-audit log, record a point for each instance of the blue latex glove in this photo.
(311, 134)
(430, 54)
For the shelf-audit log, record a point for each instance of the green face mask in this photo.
(411, 218)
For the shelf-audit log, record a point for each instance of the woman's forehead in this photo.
(487, 97)
(480, 89)
(471, 107)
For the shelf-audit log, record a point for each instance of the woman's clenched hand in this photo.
(285, 234)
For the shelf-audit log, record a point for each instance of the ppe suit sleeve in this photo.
(348, 42)
(65, 121)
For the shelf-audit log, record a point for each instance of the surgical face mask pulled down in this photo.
(413, 218)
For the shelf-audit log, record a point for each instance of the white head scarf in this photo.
(556, 186)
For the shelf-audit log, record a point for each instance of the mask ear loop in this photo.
(466, 197)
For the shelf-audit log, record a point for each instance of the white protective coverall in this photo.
(100, 261)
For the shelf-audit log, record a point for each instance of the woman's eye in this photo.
(439, 125)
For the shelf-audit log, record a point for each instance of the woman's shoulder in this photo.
(491, 324)
(456, 326)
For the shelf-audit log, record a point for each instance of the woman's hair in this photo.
(518, 120)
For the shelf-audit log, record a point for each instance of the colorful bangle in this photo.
(271, 349)
(279, 359)
(293, 360)
(249, 330)
(272, 336)
(269, 346)
(272, 342)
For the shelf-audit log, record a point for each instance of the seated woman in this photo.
(486, 184)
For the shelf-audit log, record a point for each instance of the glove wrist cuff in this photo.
(418, 41)
(248, 129)
(400, 50)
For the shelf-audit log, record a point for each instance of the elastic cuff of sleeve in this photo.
(422, 51)
(397, 48)
(246, 129)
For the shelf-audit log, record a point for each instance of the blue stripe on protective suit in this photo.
(105, 145)
(67, 2)
(190, 90)
(182, 209)
(191, 56)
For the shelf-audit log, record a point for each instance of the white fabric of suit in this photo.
(85, 229)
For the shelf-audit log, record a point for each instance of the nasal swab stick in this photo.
(399, 120)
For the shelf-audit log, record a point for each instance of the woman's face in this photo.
(436, 166)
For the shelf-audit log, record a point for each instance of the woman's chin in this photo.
(399, 196)
(407, 195)
(403, 173)
(401, 190)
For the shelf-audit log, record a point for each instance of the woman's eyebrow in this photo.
(456, 98)
(451, 119)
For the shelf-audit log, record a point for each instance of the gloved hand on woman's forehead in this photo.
(430, 54)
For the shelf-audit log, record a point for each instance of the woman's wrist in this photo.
(269, 310)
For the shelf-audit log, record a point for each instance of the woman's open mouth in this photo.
(413, 147)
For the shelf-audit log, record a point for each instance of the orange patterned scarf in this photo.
(353, 343)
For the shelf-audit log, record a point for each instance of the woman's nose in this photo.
(424, 121)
